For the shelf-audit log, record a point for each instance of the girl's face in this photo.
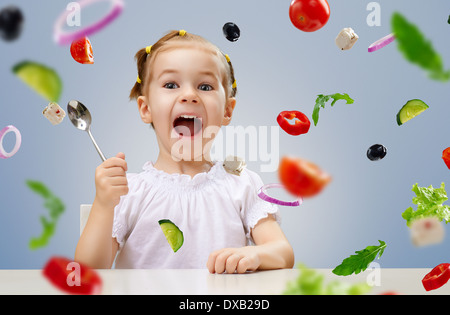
(186, 100)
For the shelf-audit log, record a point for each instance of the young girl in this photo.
(185, 89)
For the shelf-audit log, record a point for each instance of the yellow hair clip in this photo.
(228, 58)
(182, 32)
(148, 50)
(138, 80)
(234, 84)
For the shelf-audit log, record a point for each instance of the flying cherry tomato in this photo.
(302, 178)
(81, 51)
(309, 15)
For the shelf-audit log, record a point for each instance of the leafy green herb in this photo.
(429, 203)
(55, 208)
(323, 99)
(311, 282)
(417, 49)
(360, 261)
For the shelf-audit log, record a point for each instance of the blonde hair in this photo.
(144, 56)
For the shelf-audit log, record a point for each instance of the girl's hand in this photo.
(271, 251)
(111, 181)
(234, 259)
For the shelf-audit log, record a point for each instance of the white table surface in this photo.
(201, 282)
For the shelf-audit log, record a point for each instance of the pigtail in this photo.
(141, 58)
(232, 78)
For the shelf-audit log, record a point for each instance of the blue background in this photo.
(278, 68)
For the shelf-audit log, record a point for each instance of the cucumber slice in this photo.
(410, 110)
(172, 233)
(40, 78)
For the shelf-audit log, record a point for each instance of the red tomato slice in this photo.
(301, 125)
(446, 157)
(309, 15)
(302, 178)
(81, 51)
(389, 293)
(56, 272)
(437, 277)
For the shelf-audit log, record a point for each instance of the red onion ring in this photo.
(63, 38)
(3, 132)
(381, 42)
(262, 194)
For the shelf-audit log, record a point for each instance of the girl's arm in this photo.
(96, 247)
(271, 251)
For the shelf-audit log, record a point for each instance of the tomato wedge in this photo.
(437, 277)
(302, 178)
(81, 51)
(446, 157)
(58, 272)
(301, 125)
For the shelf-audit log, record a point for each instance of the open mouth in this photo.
(187, 125)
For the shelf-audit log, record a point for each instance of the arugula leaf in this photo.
(39, 188)
(55, 207)
(429, 203)
(417, 49)
(44, 238)
(323, 99)
(360, 261)
(311, 282)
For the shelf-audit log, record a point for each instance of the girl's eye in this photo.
(170, 85)
(205, 87)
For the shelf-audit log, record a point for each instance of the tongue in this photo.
(187, 127)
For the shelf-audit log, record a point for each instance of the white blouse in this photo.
(214, 210)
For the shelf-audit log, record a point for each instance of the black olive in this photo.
(376, 152)
(11, 22)
(231, 31)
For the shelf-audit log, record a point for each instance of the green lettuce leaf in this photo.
(360, 261)
(429, 203)
(417, 49)
(311, 282)
(321, 100)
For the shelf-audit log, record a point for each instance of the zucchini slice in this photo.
(410, 110)
(172, 233)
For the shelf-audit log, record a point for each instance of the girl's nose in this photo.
(189, 96)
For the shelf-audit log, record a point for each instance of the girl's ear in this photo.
(229, 108)
(144, 110)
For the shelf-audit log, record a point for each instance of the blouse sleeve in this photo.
(120, 224)
(254, 208)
